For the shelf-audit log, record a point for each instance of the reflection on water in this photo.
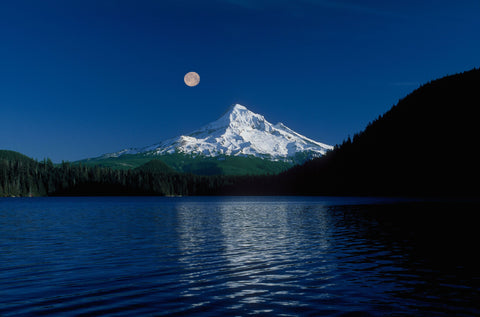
(237, 256)
(255, 250)
(264, 244)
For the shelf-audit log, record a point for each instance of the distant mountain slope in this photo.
(425, 145)
(155, 166)
(195, 164)
(238, 132)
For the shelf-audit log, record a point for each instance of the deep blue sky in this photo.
(83, 78)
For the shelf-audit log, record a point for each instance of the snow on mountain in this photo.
(238, 131)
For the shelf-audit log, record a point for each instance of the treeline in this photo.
(23, 176)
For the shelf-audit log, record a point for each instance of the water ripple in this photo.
(240, 256)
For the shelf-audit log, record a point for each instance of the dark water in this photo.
(238, 256)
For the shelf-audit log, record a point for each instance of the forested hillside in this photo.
(198, 164)
(425, 145)
(22, 176)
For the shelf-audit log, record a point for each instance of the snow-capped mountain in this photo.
(238, 132)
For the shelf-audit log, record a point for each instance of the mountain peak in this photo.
(237, 117)
(238, 107)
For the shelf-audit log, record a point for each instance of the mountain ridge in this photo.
(238, 132)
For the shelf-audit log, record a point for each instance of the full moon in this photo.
(191, 79)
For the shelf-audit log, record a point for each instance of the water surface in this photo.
(208, 256)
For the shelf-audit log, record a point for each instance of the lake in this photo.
(217, 256)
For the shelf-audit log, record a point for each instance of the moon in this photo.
(191, 79)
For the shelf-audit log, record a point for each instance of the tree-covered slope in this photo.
(6, 155)
(425, 145)
(21, 175)
(195, 164)
(155, 166)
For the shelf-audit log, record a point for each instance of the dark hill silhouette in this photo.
(7, 155)
(425, 145)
